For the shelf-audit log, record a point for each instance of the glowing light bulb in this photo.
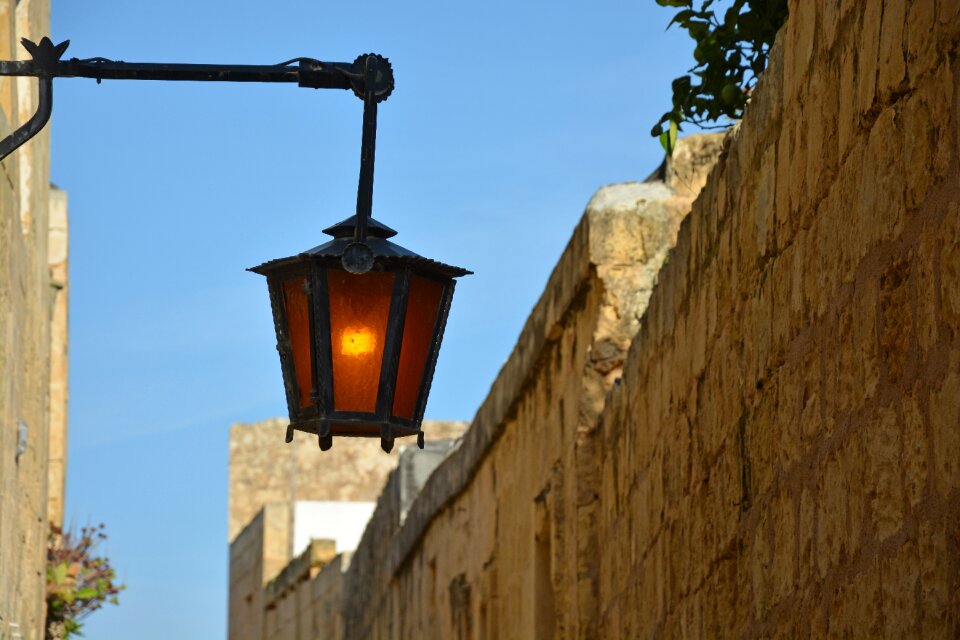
(357, 342)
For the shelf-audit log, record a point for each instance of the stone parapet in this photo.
(303, 567)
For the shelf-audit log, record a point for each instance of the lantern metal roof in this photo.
(384, 252)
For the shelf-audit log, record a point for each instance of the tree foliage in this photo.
(79, 580)
(731, 51)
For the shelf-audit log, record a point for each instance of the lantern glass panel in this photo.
(423, 303)
(359, 309)
(297, 308)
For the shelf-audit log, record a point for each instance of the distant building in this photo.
(294, 509)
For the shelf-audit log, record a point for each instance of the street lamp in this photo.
(359, 319)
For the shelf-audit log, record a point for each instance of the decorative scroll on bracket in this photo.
(45, 55)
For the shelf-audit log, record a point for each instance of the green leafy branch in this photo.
(730, 53)
(79, 580)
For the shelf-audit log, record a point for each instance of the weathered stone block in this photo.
(848, 113)
(829, 26)
(884, 472)
(924, 284)
(867, 54)
(922, 51)
(916, 449)
(892, 68)
(807, 537)
(882, 189)
(950, 268)
(856, 610)
(832, 495)
(784, 526)
(937, 610)
(798, 47)
(901, 572)
(944, 421)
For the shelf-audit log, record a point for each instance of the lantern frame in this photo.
(321, 417)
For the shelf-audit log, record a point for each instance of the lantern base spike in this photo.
(420, 442)
(324, 436)
(289, 437)
(386, 438)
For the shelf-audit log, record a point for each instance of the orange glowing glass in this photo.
(359, 308)
(423, 302)
(296, 306)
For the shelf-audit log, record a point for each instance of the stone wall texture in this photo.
(57, 246)
(33, 342)
(782, 457)
(755, 434)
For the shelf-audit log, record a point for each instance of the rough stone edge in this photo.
(762, 114)
(454, 474)
(320, 553)
(581, 256)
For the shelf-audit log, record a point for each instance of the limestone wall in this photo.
(326, 605)
(57, 259)
(499, 542)
(32, 341)
(782, 457)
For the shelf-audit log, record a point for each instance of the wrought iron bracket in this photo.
(46, 63)
(35, 124)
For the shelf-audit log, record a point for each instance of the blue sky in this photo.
(506, 118)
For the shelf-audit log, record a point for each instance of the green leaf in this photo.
(698, 30)
(682, 17)
(733, 39)
(668, 139)
(681, 84)
(86, 594)
(730, 93)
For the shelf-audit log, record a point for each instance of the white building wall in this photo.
(342, 522)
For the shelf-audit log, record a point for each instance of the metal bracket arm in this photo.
(46, 64)
(35, 124)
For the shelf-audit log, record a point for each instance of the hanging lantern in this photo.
(358, 349)
(359, 319)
